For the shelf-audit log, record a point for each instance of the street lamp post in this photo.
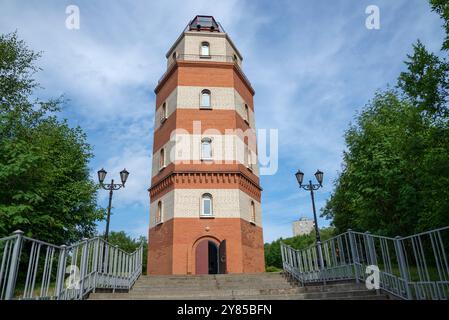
(312, 187)
(111, 187)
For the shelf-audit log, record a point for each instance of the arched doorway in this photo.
(207, 257)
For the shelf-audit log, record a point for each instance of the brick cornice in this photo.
(188, 179)
(204, 64)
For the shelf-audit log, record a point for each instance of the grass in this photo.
(272, 269)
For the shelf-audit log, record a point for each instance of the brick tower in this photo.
(205, 213)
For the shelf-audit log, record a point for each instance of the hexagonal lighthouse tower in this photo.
(205, 212)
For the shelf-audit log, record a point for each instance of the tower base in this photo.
(186, 246)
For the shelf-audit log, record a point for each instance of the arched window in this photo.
(174, 56)
(159, 212)
(246, 113)
(206, 204)
(205, 49)
(206, 148)
(162, 159)
(205, 99)
(253, 212)
(248, 160)
(164, 112)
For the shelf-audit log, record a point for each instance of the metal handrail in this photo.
(412, 267)
(34, 269)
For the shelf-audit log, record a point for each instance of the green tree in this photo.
(442, 8)
(395, 171)
(128, 244)
(44, 177)
(426, 81)
(396, 168)
(273, 256)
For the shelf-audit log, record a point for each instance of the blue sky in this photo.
(313, 65)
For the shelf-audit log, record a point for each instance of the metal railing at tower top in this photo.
(205, 58)
(33, 269)
(414, 267)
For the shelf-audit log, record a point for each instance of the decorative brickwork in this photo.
(208, 200)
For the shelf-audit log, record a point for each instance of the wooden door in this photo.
(222, 257)
(202, 258)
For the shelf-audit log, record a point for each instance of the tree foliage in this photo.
(396, 167)
(44, 177)
(426, 81)
(128, 244)
(273, 256)
(442, 8)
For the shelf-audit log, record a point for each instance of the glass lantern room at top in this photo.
(205, 23)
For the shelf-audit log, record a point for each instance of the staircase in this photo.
(265, 286)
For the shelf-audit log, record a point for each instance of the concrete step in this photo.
(361, 295)
(209, 279)
(218, 276)
(212, 287)
(224, 280)
(223, 294)
(237, 287)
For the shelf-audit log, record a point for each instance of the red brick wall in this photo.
(244, 245)
(220, 120)
(160, 249)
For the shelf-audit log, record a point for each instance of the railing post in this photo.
(282, 255)
(320, 254)
(141, 259)
(322, 272)
(354, 254)
(114, 267)
(61, 271)
(128, 269)
(371, 250)
(83, 268)
(402, 266)
(96, 259)
(15, 259)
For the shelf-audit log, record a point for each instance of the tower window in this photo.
(205, 99)
(162, 159)
(174, 56)
(248, 161)
(205, 51)
(206, 149)
(159, 212)
(206, 204)
(253, 212)
(164, 113)
(246, 113)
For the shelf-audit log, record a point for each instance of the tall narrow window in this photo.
(174, 56)
(159, 212)
(206, 205)
(246, 113)
(206, 149)
(253, 212)
(164, 113)
(162, 159)
(205, 99)
(248, 157)
(205, 49)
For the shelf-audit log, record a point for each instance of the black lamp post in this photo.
(312, 187)
(111, 187)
